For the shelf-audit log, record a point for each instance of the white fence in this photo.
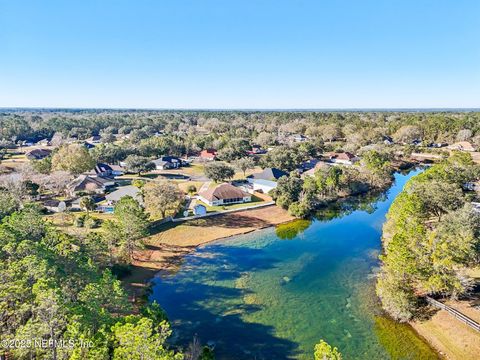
(457, 314)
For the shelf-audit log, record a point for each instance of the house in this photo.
(117, 170)
(88, 184)
(436, 145)
(54, 205)
(462, 146)
(38, 154)
(261, 185)
(167, 162)
(298, 138)
(95, 139)
(319, 165)
(208, 154)
(109, 171)
(103, 170)
(256, 150)
(224, 194)
(344, 158)
(308, 165)
(199, 210)
(472, 186)
(272, 174)
(43, 142)
(130, 190)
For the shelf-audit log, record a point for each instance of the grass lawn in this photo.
(183, 185)
(65, 221)
(255, 201)
(239, 174)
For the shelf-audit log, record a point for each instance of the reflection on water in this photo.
(260, 296)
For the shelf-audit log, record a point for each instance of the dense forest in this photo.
(58, 287)
(192, 131)
(431, 238)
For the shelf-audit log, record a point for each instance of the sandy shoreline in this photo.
(166, 249)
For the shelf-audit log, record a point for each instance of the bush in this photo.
(121, 270)
(80, 221)
(191, 189)
(91, 223)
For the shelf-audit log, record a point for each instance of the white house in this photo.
(262, 185)
(224, 194)
(54, 205)
(344, 158)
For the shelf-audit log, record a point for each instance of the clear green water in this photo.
(274, 293)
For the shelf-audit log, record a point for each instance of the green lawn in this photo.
(255, 201)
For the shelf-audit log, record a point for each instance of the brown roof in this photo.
(223, 192)
(85, 182)
(38, 153)
(462, 145)
(208, 153)
(341, 156)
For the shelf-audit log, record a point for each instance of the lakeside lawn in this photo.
(199, 231)
(255, 201)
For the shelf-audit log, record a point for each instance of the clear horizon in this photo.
(266, 55)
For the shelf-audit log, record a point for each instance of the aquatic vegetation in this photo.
(260, 296)
(292, 229)
(401, 342)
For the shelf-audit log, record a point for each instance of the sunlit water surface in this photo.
(274, 293)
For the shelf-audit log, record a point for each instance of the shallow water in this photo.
(274, 293)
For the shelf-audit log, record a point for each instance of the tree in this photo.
(138, 340)
(138, 164)
(244, 164)
(407, 134)
(218, 171)
(161, 197)
(283, 158)
(43, 166)
(73, 158)
(464, 135)
(323, 351)
(438, 197)
(132, 225)
(87, 203)
(8, 203)
(288, 190)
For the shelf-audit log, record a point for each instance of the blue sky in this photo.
(240, 53)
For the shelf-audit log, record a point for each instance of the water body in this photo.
(274, 293)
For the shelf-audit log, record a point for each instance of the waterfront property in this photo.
(261, 185)
(272, 295)
(224, 194)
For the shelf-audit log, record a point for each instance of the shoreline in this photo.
(165, 249)
(165, 253)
